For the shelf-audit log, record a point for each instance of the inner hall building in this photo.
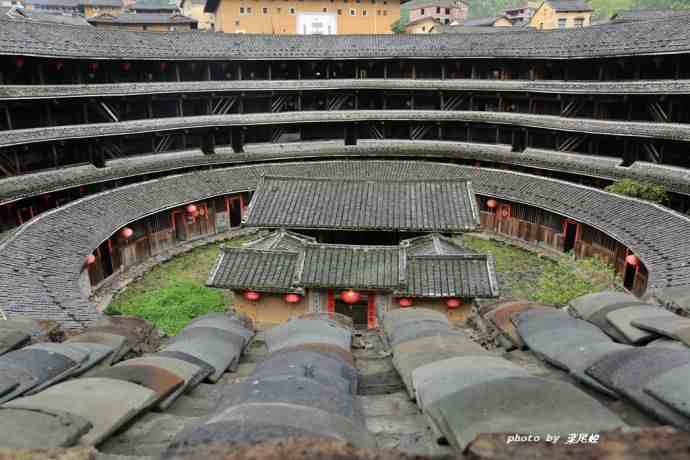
(358, 248)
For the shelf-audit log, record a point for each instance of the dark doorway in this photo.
(180, 234)
(629, 276)
(358, 311)
(235, 212)
(106, 259)
(570, 236)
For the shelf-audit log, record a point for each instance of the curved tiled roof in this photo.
(18, 187)
(43, 259)
(15, 92)
(51, 40)
(426, 205)
(669, 131)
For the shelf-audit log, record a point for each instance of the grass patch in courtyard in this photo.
(173, 293)
(524, 274)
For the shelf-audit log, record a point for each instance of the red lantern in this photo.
(292, 298)
(19, 62)
(93, 66)
(453, 302)
(125, 66)
(252, 296)
(163, 66)
(90, 259)
(491, 204)
(350, 296)
(405, 302)
(505, 212)
(191, 209)
(127, 233)
(632, 259)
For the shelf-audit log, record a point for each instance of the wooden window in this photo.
(353, 12)
(291, 10)
(340, 12)
(241, 10)
(364, 12)
(161, 222)
(264, 10)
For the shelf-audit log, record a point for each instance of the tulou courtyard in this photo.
(173, 293)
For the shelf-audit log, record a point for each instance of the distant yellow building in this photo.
(327, 17)
(562, 14)
(195, 9)
(96, 7)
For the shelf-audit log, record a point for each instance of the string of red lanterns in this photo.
(405, 302)
(632, 259)
(350, 297)
(126, 233)
(292, 298)
(252, 296)
(453, 302)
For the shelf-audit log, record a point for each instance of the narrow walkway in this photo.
(393, 419)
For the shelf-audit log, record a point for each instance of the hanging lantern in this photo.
(505, 212)
(126, 233)
(191, 209)
(491, 204)
(405, 302)
(19, 62)
(292, 298)
(59, 65)
(632, 259)
(90, 259)
(125, 66)
(453, 302)
(252, 296)
(350, 296)
(163, 66)
(93, 66)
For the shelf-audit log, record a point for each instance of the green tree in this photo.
(643, 190)
(397, 27)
